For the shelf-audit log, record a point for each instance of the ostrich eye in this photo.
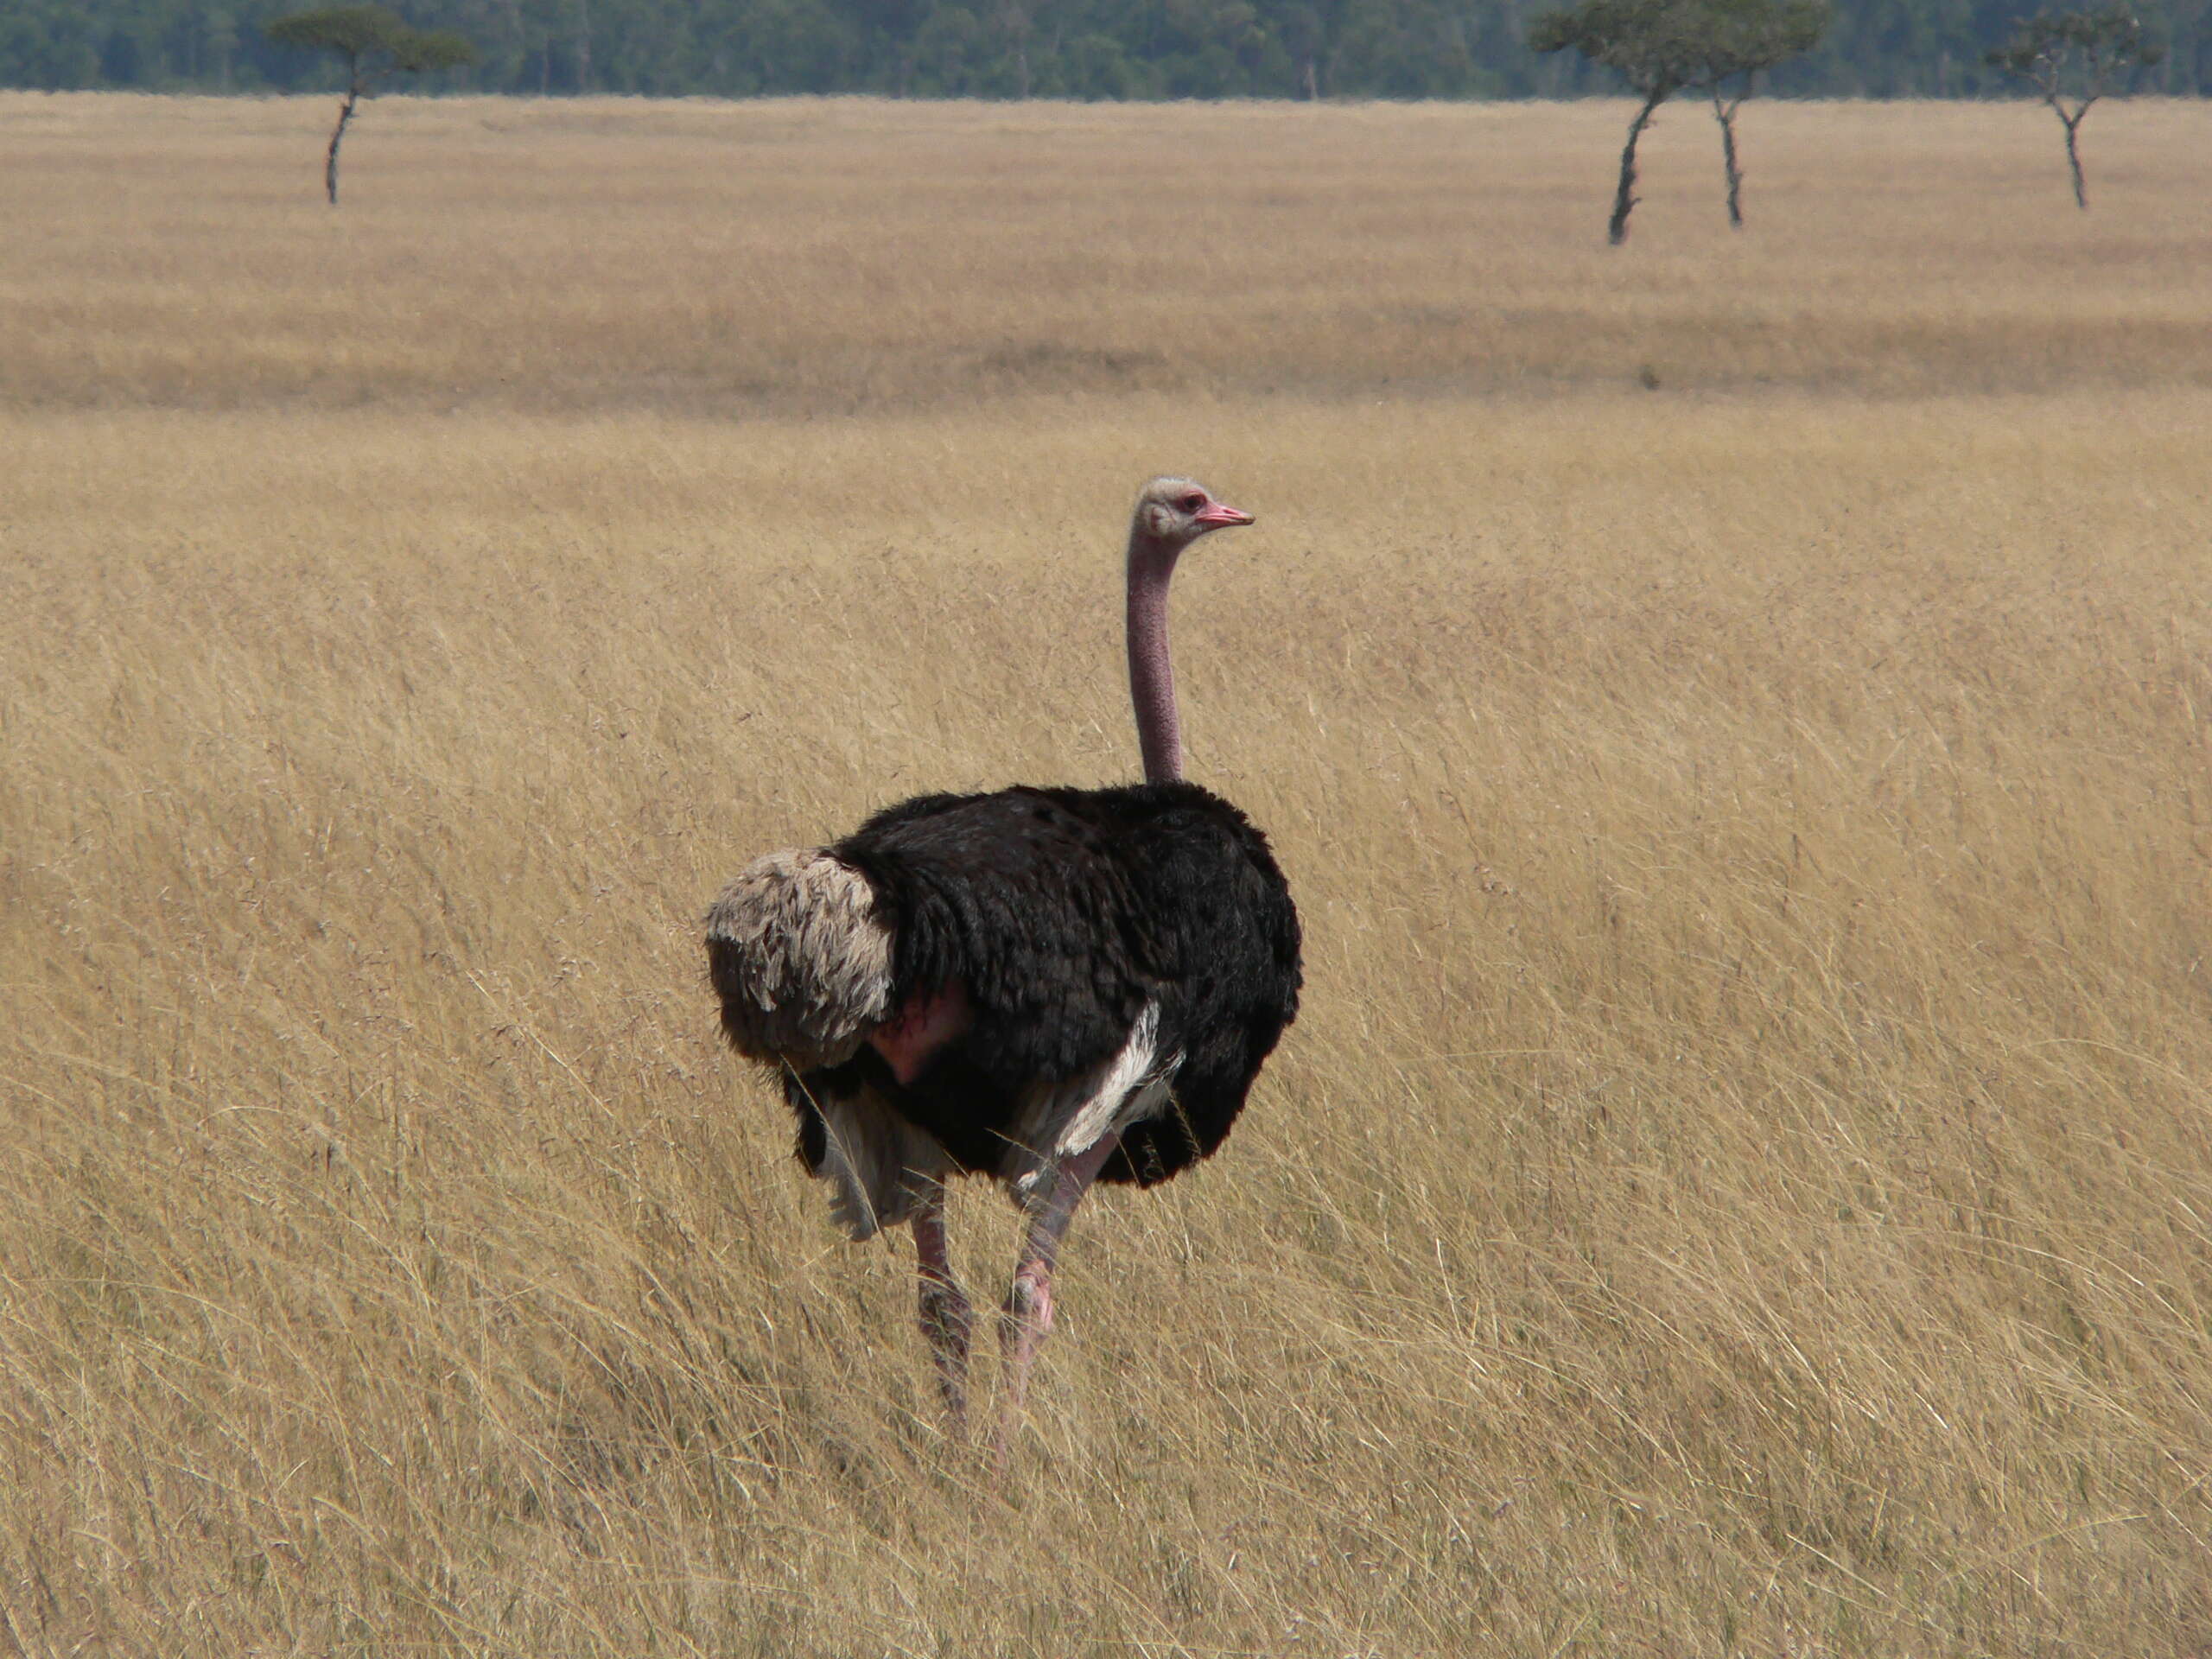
(1191, 503)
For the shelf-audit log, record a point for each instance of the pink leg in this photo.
(1028, 1314)
(946, 1317)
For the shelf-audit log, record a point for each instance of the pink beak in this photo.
(1219, 515)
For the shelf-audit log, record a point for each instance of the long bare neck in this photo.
(1152, 676)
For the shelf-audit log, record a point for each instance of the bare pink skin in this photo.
(910, 1040)
(1026, 1319)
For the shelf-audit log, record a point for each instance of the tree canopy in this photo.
(1658, 46)
(372, 39)
(1664, 46)
(2076, 54)
(1748, 37)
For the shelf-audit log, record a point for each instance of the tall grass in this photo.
(1740, 1184)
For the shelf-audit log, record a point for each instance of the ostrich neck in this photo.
(1152, 676)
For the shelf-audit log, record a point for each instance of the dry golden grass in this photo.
(834, 258)
(1741, 1183)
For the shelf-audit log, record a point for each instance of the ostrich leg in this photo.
(946, 1317)
(1027, 1316)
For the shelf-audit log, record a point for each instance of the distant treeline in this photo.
(1010, 49)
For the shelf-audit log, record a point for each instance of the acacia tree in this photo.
(1661, 46)
(1748, 37)
(375, 44)
(2073, 59)
(1649, 45)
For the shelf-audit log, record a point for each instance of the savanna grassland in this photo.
(1733, 709)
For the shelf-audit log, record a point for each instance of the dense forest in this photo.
(1010, 49)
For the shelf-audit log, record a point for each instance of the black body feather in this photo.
(1062, 913)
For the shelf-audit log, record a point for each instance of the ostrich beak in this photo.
(1219, 515)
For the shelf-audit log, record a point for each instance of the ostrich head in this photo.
(1172, 512)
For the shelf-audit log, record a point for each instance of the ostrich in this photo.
(1047, 986)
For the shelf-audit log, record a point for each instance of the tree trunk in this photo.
(338, 138)
(1726, 115)
(1624, 197)
(2074, 160)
